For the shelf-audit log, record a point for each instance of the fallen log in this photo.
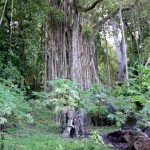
(129, 139)
(137, 140)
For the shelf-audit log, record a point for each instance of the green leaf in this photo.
(3, 120)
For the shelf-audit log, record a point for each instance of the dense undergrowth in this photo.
(41, 131)
(29, 119)
(12, 102)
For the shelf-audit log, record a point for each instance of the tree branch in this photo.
(112, 14)
(85, 9)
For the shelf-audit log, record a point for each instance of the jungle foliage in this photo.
(32, 32)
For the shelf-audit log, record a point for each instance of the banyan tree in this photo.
(72, 55)
(69, 55)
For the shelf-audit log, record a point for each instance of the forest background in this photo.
(73, 53)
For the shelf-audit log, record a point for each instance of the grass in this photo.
(44, 135)
(50, 142)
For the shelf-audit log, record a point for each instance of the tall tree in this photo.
(121, 47)
(69, 55)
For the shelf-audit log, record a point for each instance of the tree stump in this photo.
(72, 124)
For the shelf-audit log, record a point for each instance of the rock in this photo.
(147, 131)
(131, 122)
(116, 136)
(144, 126)
(128, 140)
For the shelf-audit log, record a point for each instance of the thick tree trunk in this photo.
(69, 55)
(75, 66)
(72, 124)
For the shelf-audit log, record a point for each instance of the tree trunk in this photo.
(72, 124)
(69, 55)
(121, 55)
(75, 66)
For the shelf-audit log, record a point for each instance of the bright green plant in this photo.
(56, 14)
(63, 93)
(96, 137)
(132, 98)
(88, 30)
(12, 102)
(93, 99)
(51, 142)
(9, 71)
(66, 93)
(123, 108)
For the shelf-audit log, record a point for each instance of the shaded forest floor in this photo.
(44, 134)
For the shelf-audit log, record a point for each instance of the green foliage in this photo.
(64, 93)
(96, 138)
(12, 102)
(101, 44)
(145, 48)
(88, 30)
(133, 97)
(92, 99)
(20, 57)
(45, 135)
(9, 71)
(56, 14)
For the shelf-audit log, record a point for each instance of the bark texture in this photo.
(72, 124)
(68, 54)
(121, 48)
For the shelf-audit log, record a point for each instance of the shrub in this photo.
(63, 93)
(133, 98)
(12, 102)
